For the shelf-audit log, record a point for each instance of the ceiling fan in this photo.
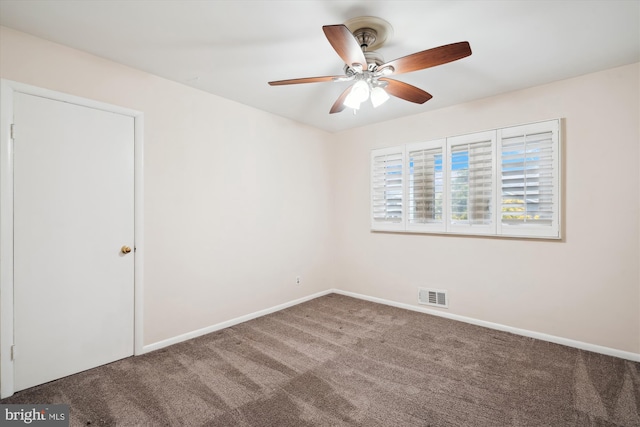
(355, 42)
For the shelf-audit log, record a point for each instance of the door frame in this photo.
(8, 89)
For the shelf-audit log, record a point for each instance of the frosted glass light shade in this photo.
(360, 91)
(351, 101)
(378, 96)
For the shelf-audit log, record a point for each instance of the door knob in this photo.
(125, 249)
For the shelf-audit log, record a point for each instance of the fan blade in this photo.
(305, 80)
(429, 58)
(339, 104)
(345, 45)
(406, 91)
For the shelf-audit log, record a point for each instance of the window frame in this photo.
(532, 230)
(495, 228)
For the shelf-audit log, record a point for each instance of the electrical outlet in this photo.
(298, 280)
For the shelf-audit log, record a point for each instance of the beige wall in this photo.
(585, 288)
(237, 201)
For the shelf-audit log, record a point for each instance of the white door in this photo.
(73, 212)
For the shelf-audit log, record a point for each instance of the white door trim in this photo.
(7, 90)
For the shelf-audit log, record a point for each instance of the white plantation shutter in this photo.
(503, 182)
(472, 183)
(387, 189)
(529, 170)
(426, 201)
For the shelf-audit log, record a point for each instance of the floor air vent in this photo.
(435, 297)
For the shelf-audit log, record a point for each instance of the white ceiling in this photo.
(233, 48)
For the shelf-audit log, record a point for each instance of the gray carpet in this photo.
(337, 361)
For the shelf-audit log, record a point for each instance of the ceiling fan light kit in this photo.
(354, 42)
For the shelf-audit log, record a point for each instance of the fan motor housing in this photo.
(366, 37)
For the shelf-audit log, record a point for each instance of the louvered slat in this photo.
(387, 188)
(425, 186)
(471, 192)
(527, 179)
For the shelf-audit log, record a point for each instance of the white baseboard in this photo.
(523, 332)
(232, 322)
(497, 326)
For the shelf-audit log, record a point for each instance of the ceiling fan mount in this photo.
(355, 42)
(370, 31)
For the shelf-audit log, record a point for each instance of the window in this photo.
(425, 195)
(530, 176)
(501, 182)
(471, 183)
(387, 189)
